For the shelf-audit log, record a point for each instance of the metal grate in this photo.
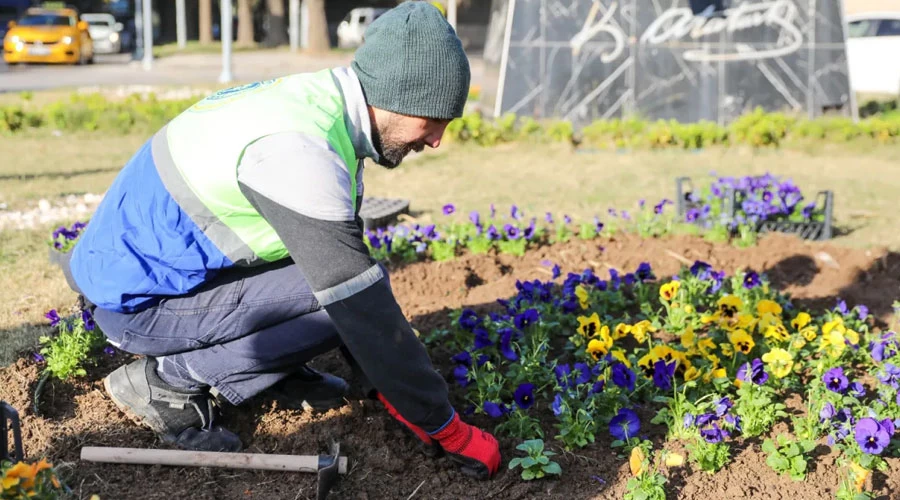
(380, 212)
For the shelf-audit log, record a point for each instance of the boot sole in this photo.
(126, 409)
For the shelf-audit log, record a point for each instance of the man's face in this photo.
(395, 135)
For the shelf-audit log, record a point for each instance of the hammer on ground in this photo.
(327, 467)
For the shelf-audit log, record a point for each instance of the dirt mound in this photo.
(385, 462)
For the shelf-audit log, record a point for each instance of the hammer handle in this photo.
(290, 463)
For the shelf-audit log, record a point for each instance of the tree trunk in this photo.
(245, 23)
(205, 22)
(318, 26)
(277, 34)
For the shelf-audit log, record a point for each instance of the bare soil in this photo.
(385, 463)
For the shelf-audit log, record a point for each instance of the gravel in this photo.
(67, 209)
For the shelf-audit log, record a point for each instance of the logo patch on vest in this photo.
(231, 94)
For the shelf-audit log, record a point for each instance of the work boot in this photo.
(184, 417)
(308, 389)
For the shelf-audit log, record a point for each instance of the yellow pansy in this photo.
(837, 324)
(765, 306)
(691, 373)
(636, 461)
(714, 375)
(21, 470)
(663, 352)
(712, 358)
(646, 365)
(729, 305)
(689, 309)
(589, 326)
(801, 320)
(860, 475)
(798, 343)
(707, 318)
(851, 336)
(777, 332)
(832, 343)
(619, 354)
(742, 341)
(779, 362)
(766, 320)
(726, 349)
(582, 294)
(640, 329)
(809, 333)
(705, 345)
(8, 483)
(745, 321)
(688, 339)
(600, 345)
(621, 331)
(668, 291)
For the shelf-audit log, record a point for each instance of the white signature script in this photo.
(680, 23)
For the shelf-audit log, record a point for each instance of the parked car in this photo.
(351, 29)
(873, 45)
(105, 32)
(48, 36)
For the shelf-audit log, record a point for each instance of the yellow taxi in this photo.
(48, 36)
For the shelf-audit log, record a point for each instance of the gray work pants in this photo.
(241, 333)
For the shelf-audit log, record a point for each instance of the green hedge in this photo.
(95, 112)
(757, 128)
(92, 112)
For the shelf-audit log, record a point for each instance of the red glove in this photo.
(429, 446)
(474, 449)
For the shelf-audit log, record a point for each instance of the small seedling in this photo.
(788, 456)
(537, 464)
(647, 483)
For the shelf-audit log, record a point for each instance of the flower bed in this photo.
(707, 356)
(751, 205)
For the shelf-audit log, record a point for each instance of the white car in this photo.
(104, 32)
(351, 30)
(873, 52)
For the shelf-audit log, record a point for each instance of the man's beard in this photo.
(391, 152)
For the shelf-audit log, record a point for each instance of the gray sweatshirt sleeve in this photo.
(301, 187)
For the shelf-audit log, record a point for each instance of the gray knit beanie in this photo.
(411, 62)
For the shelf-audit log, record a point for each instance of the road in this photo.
(119, 69)
(182, 69)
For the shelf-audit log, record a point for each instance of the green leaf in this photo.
(791, 451)
(528, 462)
(807, 445)
(527, 474)
(798, 464)
(552, 468)
(660, 399)
(543, 460)
(514, 463)
(778, 463)
(768, 446)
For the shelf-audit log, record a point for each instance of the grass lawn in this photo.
(536, 177)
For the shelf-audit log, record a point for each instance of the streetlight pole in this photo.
(180, 23)
(451, 13)
(304, 24)
(148, 34)
(294, 15)
(225, 32)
